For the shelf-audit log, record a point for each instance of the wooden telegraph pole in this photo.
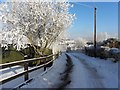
(95, 31)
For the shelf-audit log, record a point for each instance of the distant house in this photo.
(63, 45)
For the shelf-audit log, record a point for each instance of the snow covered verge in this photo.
(4, 73)
(51, 78)
(90, 72)
(41, 79)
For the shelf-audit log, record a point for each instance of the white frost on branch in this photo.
(41, 23)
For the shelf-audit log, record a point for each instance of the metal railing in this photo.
(26, 71)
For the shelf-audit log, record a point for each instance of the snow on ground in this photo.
(15, 70)
(90, 72)
(9, 72)
(87, 72)
(52, 77)
(41, 78)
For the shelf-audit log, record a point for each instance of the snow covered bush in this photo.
(103, 52)
(100, 52)
(114, 53)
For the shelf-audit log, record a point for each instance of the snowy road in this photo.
(87, 75)
(90, 72)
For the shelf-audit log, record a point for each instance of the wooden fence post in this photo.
(26, 77)
(45, 63)
(57, 55)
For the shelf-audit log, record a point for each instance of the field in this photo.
(14, 55)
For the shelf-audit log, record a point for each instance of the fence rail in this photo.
(26, 70)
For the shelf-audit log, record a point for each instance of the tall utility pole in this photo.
(95, 31)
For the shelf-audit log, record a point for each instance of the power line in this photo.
(93, 3)
(85, 5)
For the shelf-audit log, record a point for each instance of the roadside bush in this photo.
(103, 52)
(100, 52)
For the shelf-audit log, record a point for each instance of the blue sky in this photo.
(107, 19)
(2, 1)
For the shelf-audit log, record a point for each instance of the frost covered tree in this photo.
(41, 23)
(102, 36)
(80, 42)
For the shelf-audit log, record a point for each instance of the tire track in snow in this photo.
(95, 78)
(65, 75)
